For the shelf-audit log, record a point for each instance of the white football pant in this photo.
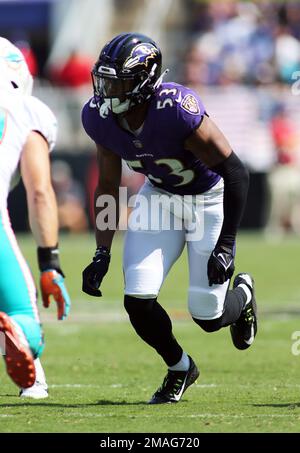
(160, 225)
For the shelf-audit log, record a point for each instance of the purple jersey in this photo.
(158, 150)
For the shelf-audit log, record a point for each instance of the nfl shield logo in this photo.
(137, 143)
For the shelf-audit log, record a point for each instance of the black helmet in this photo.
(127, 72)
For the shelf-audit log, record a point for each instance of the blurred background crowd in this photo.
(242, 57)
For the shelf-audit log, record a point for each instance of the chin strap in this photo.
(149, 78)
(139, 97)
(160, 79)
(151, 75)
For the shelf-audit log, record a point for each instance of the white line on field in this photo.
(5, 415)
(116, 314)
(75, 386)
(104, 317)
(199, 386)
(116, 385)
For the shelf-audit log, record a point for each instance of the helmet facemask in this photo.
(122, 93)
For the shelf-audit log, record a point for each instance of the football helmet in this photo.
(14, 72)
(127, 72)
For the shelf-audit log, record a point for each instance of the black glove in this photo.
(93, 274)
(220, 266)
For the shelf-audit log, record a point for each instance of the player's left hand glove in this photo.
(220, 266)
(52, 281)
(93, 274)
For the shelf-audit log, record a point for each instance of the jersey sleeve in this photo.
(91, 122)
(190, 111)
(41, 119)
(180, 110)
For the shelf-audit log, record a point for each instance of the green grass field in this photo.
(101, 374)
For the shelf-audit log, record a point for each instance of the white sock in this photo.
(246, 291)
(40, 375)
(182, 365)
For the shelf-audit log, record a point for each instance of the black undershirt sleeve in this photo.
(236, 182)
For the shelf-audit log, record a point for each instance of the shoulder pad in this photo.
(41, 119)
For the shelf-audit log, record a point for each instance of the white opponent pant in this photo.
(152, 247)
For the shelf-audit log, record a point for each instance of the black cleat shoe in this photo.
(244, 330)
(175, 384)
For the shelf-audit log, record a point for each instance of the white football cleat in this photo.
(37, 391)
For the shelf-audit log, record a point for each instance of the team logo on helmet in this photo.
(11, 55)
(190, 104)
(13, 59)
(140, 55)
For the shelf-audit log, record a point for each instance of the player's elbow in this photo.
(233, 171)
(40, 194)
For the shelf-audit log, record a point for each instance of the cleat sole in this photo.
(18, 358)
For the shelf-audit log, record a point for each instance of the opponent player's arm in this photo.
(110, 170)
(109, 179)
(43, 219)
(36, 175)
(211, 147)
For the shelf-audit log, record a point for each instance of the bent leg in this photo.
(17, 289)
(152, 323)
(148, 257)
(211, 307)
(233, 305)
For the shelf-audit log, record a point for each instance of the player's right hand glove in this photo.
(220, 266)
(93, 274)
(52, 284)
(52, 281)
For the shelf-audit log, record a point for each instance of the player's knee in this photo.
(138, 306)
(206, 304)
(209, 325)
(39, 348)
(33, 333)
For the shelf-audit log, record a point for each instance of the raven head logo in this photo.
(140, 55)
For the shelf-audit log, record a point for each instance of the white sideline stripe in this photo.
(106, 315)
(206, 386)
(75, 386)
(5, 415)
(267, 305)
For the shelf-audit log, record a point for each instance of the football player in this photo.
(163, 131)
(27, 134)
